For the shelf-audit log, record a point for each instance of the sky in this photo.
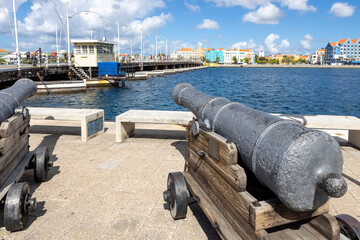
(273, 26)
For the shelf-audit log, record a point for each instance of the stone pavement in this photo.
(105, 190)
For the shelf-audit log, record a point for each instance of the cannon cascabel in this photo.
(14, 96)
(303, 167)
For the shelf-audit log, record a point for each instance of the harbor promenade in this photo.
(106, 190)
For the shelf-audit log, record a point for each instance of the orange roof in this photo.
(321, 50)
(333, 44)
(342, 40)
(235, 49)
(245, 50)
(221, 48)
(3, 50)
(354, 40)
(210, 49)
(227, 49)
(186, 50)
(303, 57)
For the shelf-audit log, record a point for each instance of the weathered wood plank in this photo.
(233, 174)
(7, 143)
(226, 151)
(327, 225)
(11, 125)
(12, 164)
(272, 213)
(239, 203)
(240, 224)
(215, 216)
(15, 175)
(11, 155)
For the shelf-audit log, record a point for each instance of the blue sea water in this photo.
(275, 90)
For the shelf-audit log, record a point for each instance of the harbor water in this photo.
(274, 90)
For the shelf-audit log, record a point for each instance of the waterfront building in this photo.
(344, 51)
(228, 56)
(3, 53)
(186, 54)
(199, 53)
(87, 53)
(317, 57)
(261, 54)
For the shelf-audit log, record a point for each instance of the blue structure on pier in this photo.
(111, 69)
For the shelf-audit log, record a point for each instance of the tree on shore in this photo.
(247, 60)
(217, 59)
(235, 60)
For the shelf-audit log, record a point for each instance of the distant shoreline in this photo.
(288, 66)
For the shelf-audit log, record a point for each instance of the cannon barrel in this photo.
(303, 167)
(14, 96)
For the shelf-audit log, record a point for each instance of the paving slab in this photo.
(106, 190)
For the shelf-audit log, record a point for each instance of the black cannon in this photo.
(12, 97)
(303, 167)
(15, 156)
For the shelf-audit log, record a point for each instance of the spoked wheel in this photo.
(177, 195)
(349, 226)
(42, 164)
(18, 204)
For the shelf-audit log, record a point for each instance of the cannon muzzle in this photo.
(14, 96)
(303, 167)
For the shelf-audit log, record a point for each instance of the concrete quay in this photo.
(105, 190)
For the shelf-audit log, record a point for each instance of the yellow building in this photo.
(200, 53)
(88, 53)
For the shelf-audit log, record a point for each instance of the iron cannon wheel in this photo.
(177, 195)
(42, 164)
(349, 226)
(17, 206)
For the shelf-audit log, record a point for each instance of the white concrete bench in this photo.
(125, 122)
(91, 120)
(350, 123)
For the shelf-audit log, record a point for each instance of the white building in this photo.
(317, 58)
(186, 54)
(240, 56)
(261, 54)
(88, 53)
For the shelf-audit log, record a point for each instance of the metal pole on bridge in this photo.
(68, 31)
(16, 38)
(57, 46)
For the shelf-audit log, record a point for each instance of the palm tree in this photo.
(235, 60)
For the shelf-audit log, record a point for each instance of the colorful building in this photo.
(3, 52)
(186, 54)
(344, 51)
(199, 53)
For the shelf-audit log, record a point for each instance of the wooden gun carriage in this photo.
(237, 205)
(15, 158)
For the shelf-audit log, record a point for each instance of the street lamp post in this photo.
(156, 47)
(16, 38)
(141, 50)
(57, 46)
(68, 31)
(118, 40)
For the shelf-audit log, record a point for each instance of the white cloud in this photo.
(342, 9)
(208, 24)
(267, 14)
(192, 7)
(270, 45)
(285, 43)
(250, 4)
(42, 18)
(300, 5)
(306, 41)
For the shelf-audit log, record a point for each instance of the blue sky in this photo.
(275, 26)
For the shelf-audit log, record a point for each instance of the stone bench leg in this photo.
(354, 137)
(124, 130)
